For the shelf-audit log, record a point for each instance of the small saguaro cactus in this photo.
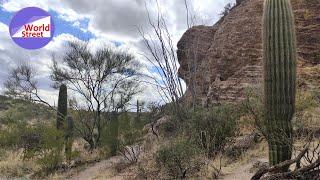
(138, 110)
(279, 56)
(70, 126)
(62, 107)
(114, 133)
(69, 138)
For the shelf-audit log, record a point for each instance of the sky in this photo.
(112, 23)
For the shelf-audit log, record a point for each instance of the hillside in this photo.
(222, 60)
(22, 110)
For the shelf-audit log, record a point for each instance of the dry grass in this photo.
(12, 165)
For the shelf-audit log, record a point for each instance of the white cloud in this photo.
(11, 55)
(109, 20)
(119, 19)
(64, 12)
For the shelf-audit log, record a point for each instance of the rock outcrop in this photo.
(219, 62)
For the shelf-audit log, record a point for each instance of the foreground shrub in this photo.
(120, 134)
(12, 167)
(130, 135)
(211, 129)
(10, 136)
(178, 159)
(42, 144)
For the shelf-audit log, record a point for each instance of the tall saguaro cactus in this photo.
(279, 47)
(62, 107)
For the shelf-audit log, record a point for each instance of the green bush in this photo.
(42, 143)
(253, 108)
(171, 128)
(50, 161)
(178, 159)
(10, 137)
(130, 134)
(211, 128)
(121, 131)
(306, 101)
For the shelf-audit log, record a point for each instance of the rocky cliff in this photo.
(223, 60)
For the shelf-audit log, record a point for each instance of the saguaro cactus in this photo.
(62, 107)
(279, 45)
(138, 110)
(114, 133)
(69, 138)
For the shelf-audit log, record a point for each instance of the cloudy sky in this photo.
(111, 23)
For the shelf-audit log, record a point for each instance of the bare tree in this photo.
(22, 83)
(162, 55)
(227, 9)
(99, 78)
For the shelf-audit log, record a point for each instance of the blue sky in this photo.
(61, 26)
(104, 23)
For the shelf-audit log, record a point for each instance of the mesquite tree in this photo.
(97, 78)
(279, 47)
(22, 84)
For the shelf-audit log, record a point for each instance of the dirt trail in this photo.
(93, 171)
(242, 171)
(104, 170)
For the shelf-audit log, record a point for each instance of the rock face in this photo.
(219, 62)
(239, 2)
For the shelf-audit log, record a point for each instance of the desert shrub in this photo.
(179, 117)
(304, 118)
(83, 123)
(253, 108)
(12, 167)
(42, 143)
(209, 128)
(306, 121)
(178, 159)
(307, 100)
(50, 160)
(3, 153)
(170, 128)
(10, 137)
(122, 131)
(212, 128)
(130, 134)
(109, 136)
